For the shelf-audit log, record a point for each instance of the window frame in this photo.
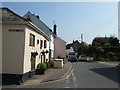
(32, 40)
(41, 44)
(45, 43)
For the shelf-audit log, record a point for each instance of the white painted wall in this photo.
(29, 49)
(13, 49)
(16, 49)
(52, 46)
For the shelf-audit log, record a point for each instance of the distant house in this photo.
(24, 45)
(35, 19)
(69, 49)
(73, 48)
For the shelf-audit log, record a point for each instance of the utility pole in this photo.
(81, 44)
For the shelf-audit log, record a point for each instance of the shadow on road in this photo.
(112, 73)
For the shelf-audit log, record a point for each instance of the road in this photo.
(86, 75)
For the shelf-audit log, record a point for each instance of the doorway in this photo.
(32, 63)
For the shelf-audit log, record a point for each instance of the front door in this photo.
(32, 63)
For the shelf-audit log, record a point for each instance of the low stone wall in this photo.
(58, 63)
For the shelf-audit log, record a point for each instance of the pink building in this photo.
(59, 47)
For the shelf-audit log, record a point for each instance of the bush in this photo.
(41, 68)
(47, 64)
(111, 55)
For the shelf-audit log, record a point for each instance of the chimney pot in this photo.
(54, 29)
(37, 16)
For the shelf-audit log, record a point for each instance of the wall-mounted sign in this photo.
(15, 30)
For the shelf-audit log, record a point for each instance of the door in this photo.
(32, 63)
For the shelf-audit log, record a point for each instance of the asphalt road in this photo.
(86, 75)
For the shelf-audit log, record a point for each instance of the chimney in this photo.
(54, 29)
(37, 16)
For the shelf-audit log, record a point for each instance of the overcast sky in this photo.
(73, 18)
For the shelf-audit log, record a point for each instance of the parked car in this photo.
(82, 58)
(85, 58)
(73, 58)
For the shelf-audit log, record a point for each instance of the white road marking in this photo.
(74, 81)
(66, 87)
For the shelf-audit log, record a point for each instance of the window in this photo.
(32, 40)
(45, 44)
(41, 44)
(37, 41)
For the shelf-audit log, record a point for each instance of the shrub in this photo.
(111, 55)
(41, 68)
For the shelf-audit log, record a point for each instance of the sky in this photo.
(91, 19)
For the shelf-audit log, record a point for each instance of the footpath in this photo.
(51, 74)
(110, 63)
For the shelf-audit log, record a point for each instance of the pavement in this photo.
(110, 63)
(51, 74)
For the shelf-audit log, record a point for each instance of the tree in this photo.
(113, 41)
(98, 41)
(83, 48)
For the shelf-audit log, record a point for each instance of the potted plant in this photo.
(41, 68)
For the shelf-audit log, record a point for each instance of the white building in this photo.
(23, 46)
(37, 21)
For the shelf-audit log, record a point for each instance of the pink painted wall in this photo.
(60, 47)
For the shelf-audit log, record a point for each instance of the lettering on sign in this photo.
(15, 30)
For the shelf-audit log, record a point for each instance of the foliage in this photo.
(105, 41)
(83, 48)
(107, 45)
(102, 48)
(111, 55)
(113, 41)
(42, 66)
(106, 48)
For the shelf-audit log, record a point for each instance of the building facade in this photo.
(26, 42)
(73, 48)
(60, 48)
(35, 19)
(23, 46)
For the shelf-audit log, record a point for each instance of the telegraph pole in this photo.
(81, 44)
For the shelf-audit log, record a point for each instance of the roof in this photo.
(69, 45)
(75, 45)
(40, 24)
(9, 16)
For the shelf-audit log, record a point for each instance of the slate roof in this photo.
(38, 22)
(76, 45)
(69, 45)
(8, 15)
